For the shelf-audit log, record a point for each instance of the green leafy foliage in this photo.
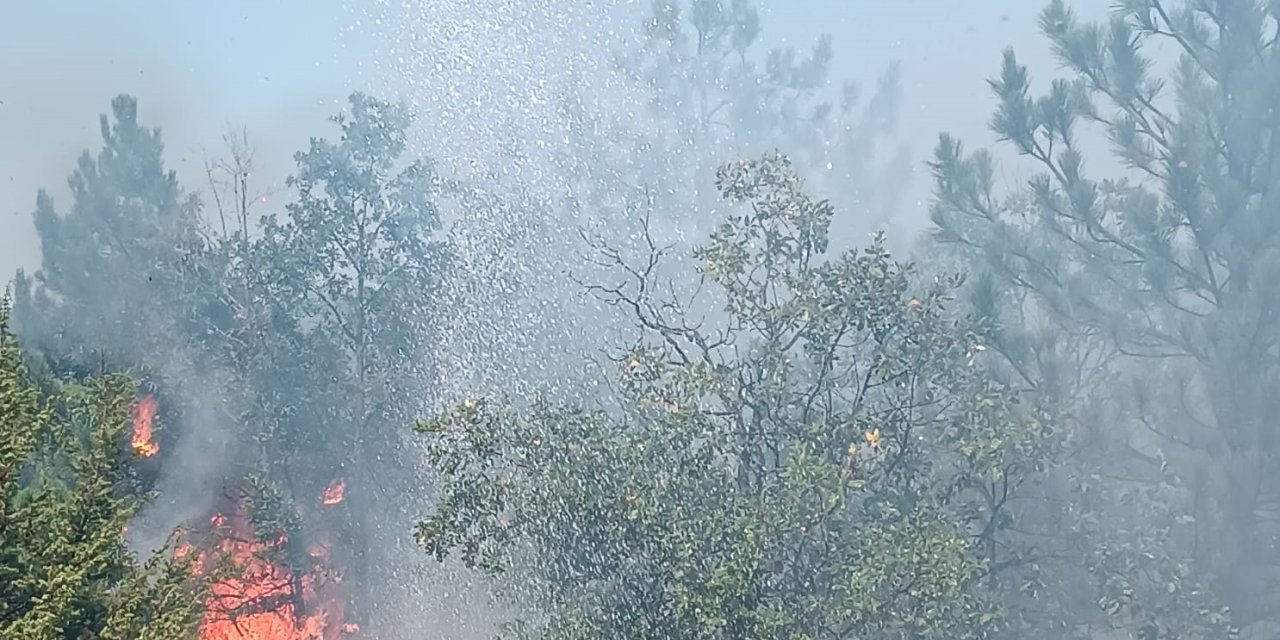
(819, 457)
(1141, 302)
(355, 256)
(65, 571)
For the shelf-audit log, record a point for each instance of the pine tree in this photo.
(121, 269)
(1146, 299)
(128, 282)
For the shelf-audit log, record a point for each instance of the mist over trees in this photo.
(708, 72)
(661, 394)
(1145, 301)
(811, 467)
(641, 126)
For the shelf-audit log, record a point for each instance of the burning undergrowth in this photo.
(267, 557)
(267, 584)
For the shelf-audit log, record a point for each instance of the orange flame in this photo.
(263, 600)
(144, 414)
(334, 492)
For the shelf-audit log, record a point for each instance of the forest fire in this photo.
(265, 586)
(144, 415)
(261, 598)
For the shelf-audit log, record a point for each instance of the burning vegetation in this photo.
(268, 576)
(263, 585)
(334, 492)
(143, 438)
(260, 592)
(266, 579)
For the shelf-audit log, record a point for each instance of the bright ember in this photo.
(334, 493)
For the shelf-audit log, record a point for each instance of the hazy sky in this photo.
(281, 67)
(196, 68)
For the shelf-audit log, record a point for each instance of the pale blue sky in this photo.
(282, 66)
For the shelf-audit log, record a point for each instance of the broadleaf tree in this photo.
(351, 268)
(332, 322)
(807, 449)
(642, 123)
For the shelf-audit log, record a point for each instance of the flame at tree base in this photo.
(261, 599)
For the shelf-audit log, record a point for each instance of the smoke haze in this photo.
(533, 124)
(280, 70)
